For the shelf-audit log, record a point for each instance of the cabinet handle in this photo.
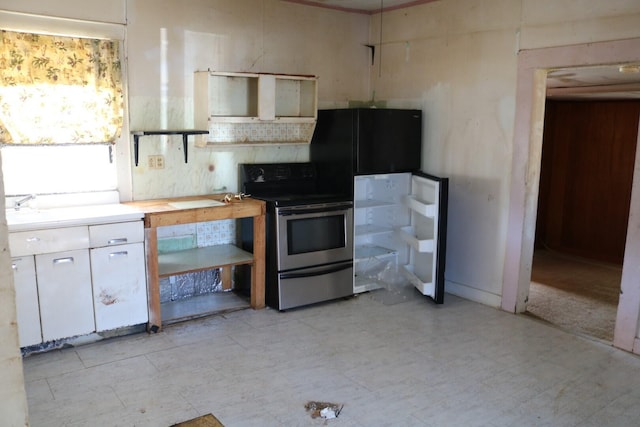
(121, 253)
(14, 266)
(63, 260)
(33, 239)
(116, 241)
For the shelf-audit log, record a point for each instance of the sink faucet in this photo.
(18, 204)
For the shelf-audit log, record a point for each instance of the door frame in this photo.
(533, 67)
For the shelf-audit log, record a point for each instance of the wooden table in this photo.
(163, 212)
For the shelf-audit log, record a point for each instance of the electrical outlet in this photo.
(156, 161)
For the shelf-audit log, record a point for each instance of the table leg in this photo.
(153, 282)
(258, 268)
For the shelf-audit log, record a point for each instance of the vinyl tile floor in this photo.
(390, 362)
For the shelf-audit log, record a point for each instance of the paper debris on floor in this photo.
(323, 409)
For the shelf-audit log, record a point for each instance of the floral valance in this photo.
(59, 90)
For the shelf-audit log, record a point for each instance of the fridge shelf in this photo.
(421, 242)
(371, 203)
(426, 288)
(366, 252)
(420, 207)
(365, 284)
(371, 229)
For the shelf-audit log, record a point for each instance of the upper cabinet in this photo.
(255, 108)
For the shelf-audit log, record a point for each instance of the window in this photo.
(59, 90)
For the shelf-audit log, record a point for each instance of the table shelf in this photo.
(199, 259)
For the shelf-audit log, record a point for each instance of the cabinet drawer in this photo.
(47, 241)
(116, 234)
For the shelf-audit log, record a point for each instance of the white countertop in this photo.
(36, 219)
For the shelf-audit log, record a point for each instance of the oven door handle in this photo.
(316, 273)
(289, 212)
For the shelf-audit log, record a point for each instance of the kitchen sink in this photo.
(29, 219)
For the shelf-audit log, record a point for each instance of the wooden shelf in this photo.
(185, 134)
(199, 259)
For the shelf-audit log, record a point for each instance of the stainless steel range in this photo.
(309, 234)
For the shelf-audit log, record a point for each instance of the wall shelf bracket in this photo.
(185, 135)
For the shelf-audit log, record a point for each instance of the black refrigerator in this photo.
(364, 141)
(400, 212)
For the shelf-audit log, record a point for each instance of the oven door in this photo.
(314, 234)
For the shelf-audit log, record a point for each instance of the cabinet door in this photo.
(119, 286)
(64, 286)
(27, 307)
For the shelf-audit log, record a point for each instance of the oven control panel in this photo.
(277, 172)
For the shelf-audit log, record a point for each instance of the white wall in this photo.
(167, 42)
(457, 60)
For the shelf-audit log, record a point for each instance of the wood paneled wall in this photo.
(588, 157)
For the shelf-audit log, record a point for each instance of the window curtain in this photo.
(59, 90)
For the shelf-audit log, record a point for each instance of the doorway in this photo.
(586, 175)
(534, 66)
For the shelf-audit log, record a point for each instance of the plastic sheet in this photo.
(384, 272)
(323, 409)
(395, 288)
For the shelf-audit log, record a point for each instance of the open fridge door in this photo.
(426, 235)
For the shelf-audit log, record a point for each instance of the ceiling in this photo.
(361, 6)
(598, 82)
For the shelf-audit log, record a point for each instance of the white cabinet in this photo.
(75, 280)
(63, 277)
(400, 232)
(255, 108)
(64, 286)
(118, 275)
(27, 306)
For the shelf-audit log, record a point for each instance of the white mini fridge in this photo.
(400, 222)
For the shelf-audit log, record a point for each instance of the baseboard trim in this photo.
(473, 294)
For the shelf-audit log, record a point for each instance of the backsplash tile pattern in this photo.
(216, 233)
(260, 132)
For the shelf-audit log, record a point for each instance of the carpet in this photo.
(204, 421)
(575, 294)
